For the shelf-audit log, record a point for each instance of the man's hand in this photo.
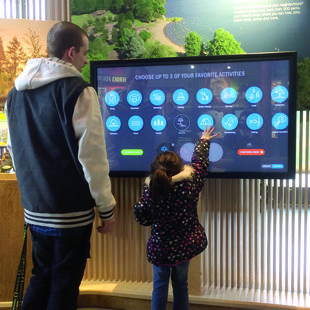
(106, 226)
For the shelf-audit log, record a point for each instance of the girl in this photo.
(169, 206)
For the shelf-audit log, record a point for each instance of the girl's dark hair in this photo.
(62, 36)
(163, 168)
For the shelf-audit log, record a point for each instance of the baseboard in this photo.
(133, 295)
(137, 296)
(5, 305)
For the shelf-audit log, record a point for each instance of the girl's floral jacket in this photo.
(176, 234)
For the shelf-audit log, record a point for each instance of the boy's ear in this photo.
(70, 52)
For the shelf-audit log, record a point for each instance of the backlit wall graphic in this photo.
(20, 40)
(172, 28)
(258, 25)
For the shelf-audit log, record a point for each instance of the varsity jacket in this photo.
(57, 144)
(176, 233)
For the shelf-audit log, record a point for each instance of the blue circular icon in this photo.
(254, 121)
(205, 120)
(229, 95)
(158, 123)
(279, 94)
(180, 96)
(135, 123)
(216, 152)
(280, 121)
(229, 121)
(113, 123)
(204, 96)
(111, 98)
(186, 151)
(157, 97)
(254, 94)
(134, 98)
(181, 122)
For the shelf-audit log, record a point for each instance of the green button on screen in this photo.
(132, 152)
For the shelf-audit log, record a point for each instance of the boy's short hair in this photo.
(62, 36)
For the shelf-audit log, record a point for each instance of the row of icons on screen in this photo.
(204, 96)
(254, 121)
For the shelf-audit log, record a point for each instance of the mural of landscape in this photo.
(124, 29)
(20, 40)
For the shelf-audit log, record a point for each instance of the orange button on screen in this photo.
(251, 152)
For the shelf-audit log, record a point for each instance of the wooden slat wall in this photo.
(120, 256)
(259, 229)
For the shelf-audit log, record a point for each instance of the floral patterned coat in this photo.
(176, 234)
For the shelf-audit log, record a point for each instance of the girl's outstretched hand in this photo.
(207, 134)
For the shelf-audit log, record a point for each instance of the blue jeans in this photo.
(179, 277)
(58, 269)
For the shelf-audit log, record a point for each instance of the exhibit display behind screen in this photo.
(152, 105)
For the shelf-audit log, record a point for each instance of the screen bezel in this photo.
(291, 56)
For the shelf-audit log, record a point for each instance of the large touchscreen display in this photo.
(155, 105)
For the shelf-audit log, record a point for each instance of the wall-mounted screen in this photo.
(152, 105)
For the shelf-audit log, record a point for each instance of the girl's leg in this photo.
(161, 276)
(179, 278)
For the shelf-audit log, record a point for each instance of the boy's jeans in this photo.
(58, 268)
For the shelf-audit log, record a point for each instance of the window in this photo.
(30, 9)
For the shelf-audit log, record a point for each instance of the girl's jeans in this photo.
(179, 277)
